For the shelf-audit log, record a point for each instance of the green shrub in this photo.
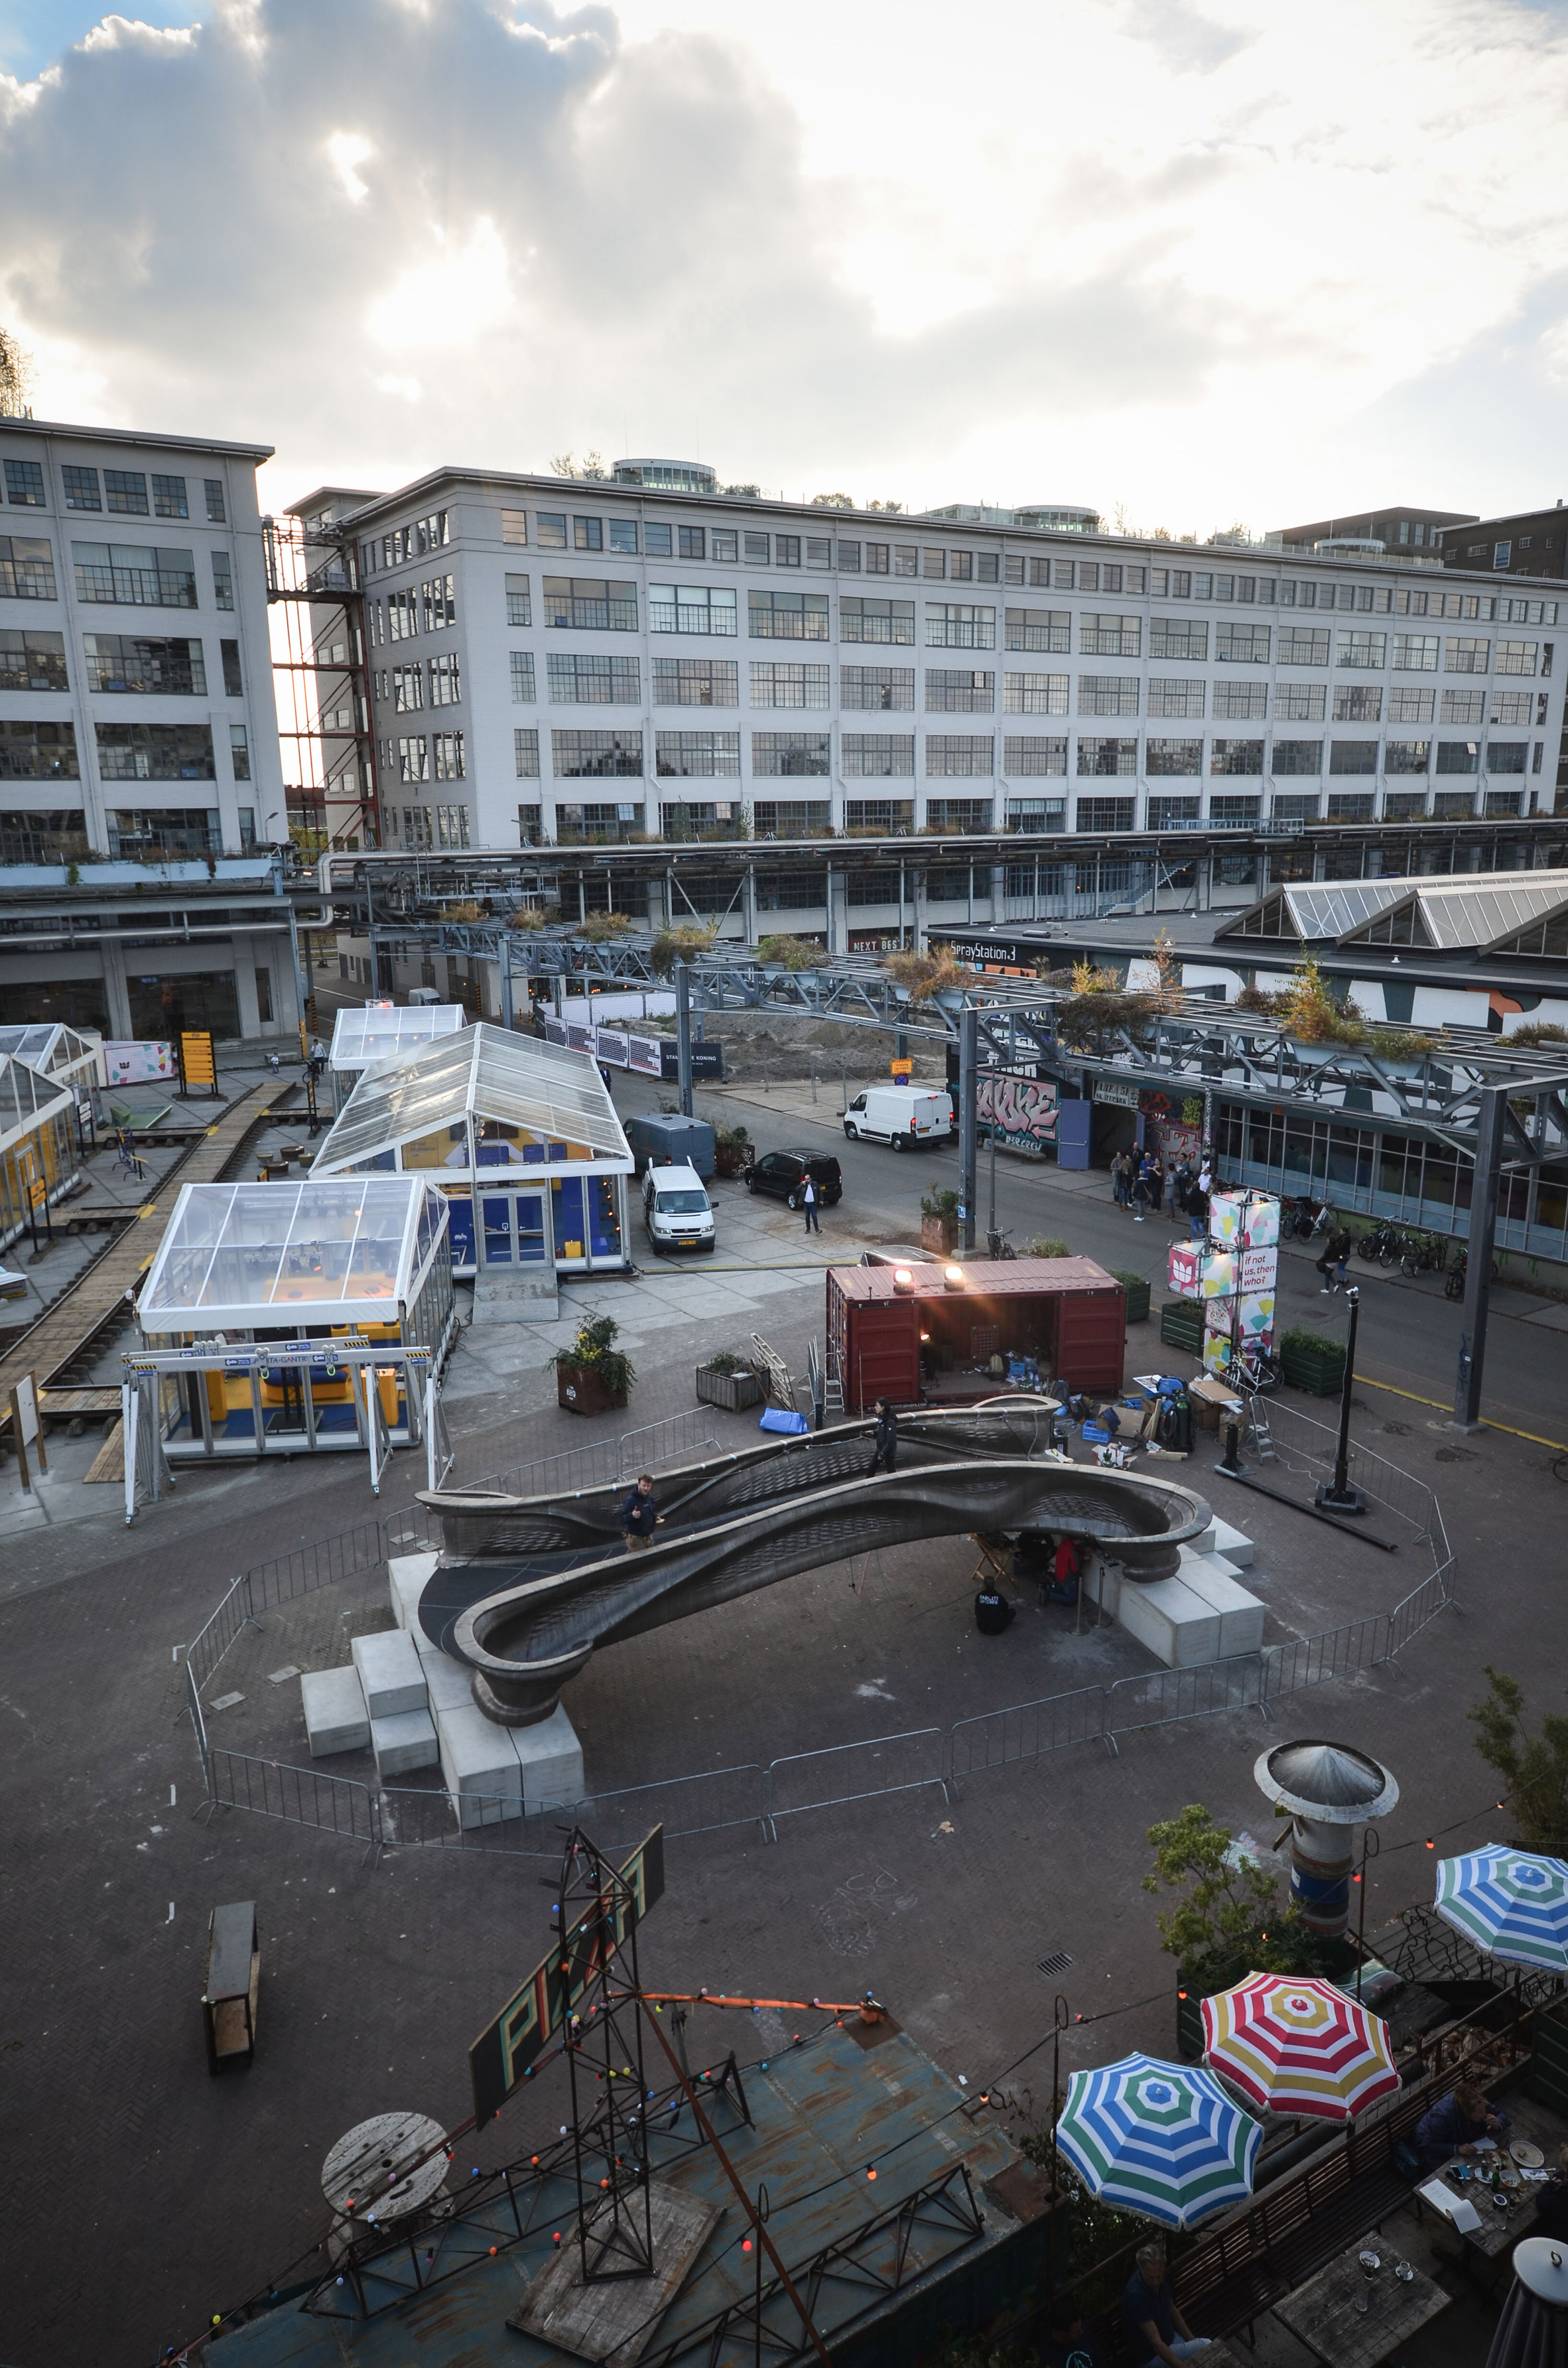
(1045, 1245)
(594, 1345)
(944, 1203)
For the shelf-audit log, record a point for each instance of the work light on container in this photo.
(954, 1277)
(903, 1280)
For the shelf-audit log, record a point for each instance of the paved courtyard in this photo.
(142, 2196)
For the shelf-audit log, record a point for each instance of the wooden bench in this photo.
(234, 1977)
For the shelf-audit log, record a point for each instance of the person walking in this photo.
(1157, 1185)
(1331, 1264)
(809, 1203)
(1139, 1194)
(1119, 1183)
(640, 1517)
(885, 1447)
(1196, 1205)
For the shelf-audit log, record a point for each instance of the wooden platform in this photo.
(613, 2319)
(92, 1300)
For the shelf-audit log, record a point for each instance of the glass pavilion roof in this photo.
(379, 1032)
(346, 1250)
(50, 1047)
(485, 1074)
(25, 1098)
(1469, 908)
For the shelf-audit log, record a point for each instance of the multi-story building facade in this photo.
(136, 703)
(1397, 529)
(567, 661)
(1526, 543)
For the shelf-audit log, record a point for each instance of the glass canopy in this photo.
(26, 1101)
(523, 1101)
(239, 1256)
(54, 1050)
(387, 1031)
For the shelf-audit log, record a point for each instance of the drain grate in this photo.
(1057, 1963)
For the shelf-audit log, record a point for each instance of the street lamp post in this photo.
(1336, 1496)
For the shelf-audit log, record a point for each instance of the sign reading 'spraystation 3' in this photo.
(501, 2055)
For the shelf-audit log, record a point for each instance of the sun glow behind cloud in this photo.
(1217, 262)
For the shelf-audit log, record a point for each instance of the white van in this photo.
(677, 1209)
(905, 1116)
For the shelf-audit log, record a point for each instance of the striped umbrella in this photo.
(1163, 2139)
(1299, 2047)
(1509, 1903)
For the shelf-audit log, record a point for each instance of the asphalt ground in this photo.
(141, 2196)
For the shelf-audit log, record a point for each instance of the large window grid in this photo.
(885, 688)
(134, 575)
(878, 756)
(1107, 694)
(870, 619)
(777, 755)
(1034, 694)
(587, 603)
(1031, 754)
(1049, 631)
(953, 754)
(1110, 637)
(692, 609)
(122, 662)
(592, 681)
(1241, 702)
(1100, 755)
(1178, 637)
(1164, 757)
(155, 752)
(38, 752)
(595, 756)
(1176, 695)
(695, 682)
(32, 661)
(713, 754)
(788, 616)
(958, 691)
(1300, 702)
(957, 625)
(791, 683)
(1242, 644)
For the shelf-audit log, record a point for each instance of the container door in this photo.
(604, 1218)
(1090, 1339)
(530, 1228)
(459, 1207)
(884, 1353)
(1075, 1122)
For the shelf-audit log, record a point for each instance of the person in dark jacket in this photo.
(1456, 2123)
(992, 1613)
(1154, 2328)
(1067, 2346)
(640, 1517)
(1552, 2202)
(885, 1448)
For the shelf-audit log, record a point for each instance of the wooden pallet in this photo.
(93, 1301)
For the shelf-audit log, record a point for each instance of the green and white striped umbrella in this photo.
(1163, 2139)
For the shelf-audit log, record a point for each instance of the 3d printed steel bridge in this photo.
(529, 1587)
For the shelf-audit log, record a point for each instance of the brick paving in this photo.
(142, 2195)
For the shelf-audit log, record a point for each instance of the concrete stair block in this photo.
(550, 1759)
(1234, 1544)
(1102, 1581)
(391, 1672)
(404, 1742)
(336, 1715)
(479, 1765)
(410, 1575)
(1174, 1622)
(1240, 1614)
(450, 1685)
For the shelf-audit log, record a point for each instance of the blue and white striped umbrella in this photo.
(1509, 1903)
(1163, 2139)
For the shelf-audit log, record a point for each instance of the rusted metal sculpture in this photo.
(530, 1588)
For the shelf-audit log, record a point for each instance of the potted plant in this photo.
(1311, 1361)
(733, 1151)
(939, 1221)
(728, 1381)
(1181, 1326)
(1136, 1287)
(593, 1375)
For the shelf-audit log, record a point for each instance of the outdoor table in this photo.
(374, 2173)
(1499, 2232)
(1324, 2313)
(233, 1978)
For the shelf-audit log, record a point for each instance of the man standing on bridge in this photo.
(885, 1448)
(640, 1517)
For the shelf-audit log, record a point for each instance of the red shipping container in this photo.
(1068, 1314)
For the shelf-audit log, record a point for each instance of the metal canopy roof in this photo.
(385, 1032)
(549, 1092)
(237, 1255)
(1462, 909)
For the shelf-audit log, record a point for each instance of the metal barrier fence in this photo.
(853, 1771)
(709, 1801)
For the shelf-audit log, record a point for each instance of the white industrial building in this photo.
(136, 705)
(571, 661)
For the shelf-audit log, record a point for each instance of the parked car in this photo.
(905, 1116)
(783, 1173)
(677, 1209)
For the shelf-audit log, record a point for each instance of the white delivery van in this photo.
(905, 1116)
(677, 1209)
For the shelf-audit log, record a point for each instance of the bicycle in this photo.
(1377, 1244)
(997, 1245)
(1258, 1369)
(1421, 1255)
(1454, 1281)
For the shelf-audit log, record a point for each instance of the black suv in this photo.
(784, 1172)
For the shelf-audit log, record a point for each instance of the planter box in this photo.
(1135, 1289)
(733, 1392)
(1181, 1324)
(1321, 1374)
(580, 1390)
(731, 1159)
(939, 1234)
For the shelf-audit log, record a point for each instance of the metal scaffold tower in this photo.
(322, 682)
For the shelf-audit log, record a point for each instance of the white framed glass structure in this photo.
(361, 1038)
(533, 1122)
(54, 1051)
(249, 1264)
(38, 1144)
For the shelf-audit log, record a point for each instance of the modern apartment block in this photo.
(571, 661)
(1527, 543)
(136, 703)
(1397, 529)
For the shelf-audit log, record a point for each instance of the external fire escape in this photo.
(323, 686)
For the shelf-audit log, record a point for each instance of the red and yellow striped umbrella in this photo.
(1299, 2047)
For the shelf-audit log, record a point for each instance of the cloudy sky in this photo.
(1194, 261)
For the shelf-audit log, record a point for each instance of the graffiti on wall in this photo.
(1021, 1111)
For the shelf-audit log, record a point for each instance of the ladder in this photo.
(1257, 1427)
(826, 1389)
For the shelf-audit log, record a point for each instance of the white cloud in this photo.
(1209, 256)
